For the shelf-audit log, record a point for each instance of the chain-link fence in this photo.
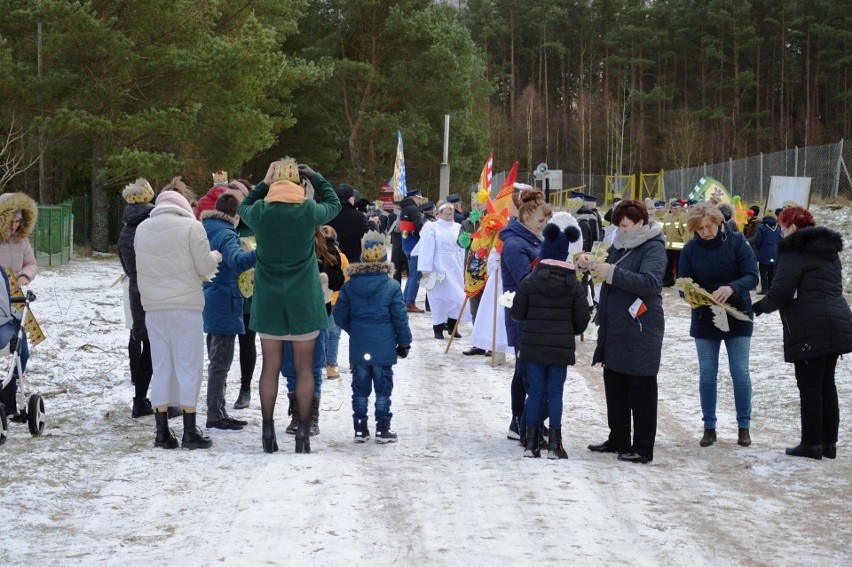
(828, 166)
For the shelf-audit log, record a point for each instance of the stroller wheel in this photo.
(4, 428)
(35, 414)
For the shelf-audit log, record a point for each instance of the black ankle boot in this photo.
(193, 437)
(451, 324)
(270, 444)
(555, 450)
(533, 449)
(303, 437)
(809, 451)
(829, 450)
(439, 331)
(141, 408)
(165, 437)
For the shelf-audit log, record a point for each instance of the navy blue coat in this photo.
(370, 308)
(520, 250)
(134, 214)
(808, 289)
(624, 345)
(223, 302)
(765, 239)
(725, 260)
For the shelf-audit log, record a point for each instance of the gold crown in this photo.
(220, 177)
(286, 169)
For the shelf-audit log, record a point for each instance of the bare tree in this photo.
(13, 155)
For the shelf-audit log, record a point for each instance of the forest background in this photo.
(109, 91)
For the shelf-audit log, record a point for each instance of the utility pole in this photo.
(445, 165)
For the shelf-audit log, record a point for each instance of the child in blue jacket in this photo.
(223, 306)
(765, 239)
(371, 309)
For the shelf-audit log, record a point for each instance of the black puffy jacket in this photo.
(808, 289)
(350, 224)
(554, 307)
(134, 214)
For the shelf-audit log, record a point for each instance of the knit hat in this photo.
(554, 244)
(328, 232)
(139, 191)
(174, 198)
(373, 247)
(344, 191)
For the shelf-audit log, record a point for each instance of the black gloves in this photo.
(402, 351)
(758, 309)
(305, 171)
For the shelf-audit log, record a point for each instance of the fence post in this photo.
(761, 178)
(731, 175)
(796, 161)
(837, 169)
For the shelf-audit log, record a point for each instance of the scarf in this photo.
(285, 192)
(631, 240)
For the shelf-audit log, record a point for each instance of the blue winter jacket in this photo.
(765, 239)
(520, 250)
(370, 308)
(223, 302)
(725, 260)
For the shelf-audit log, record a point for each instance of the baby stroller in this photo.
(11, 340)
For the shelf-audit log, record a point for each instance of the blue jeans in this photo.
(333, 343)
(289, 372)
(412, 284)
(364, 378)
(545, 382)
(708, 363)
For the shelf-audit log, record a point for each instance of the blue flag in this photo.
(398, 180)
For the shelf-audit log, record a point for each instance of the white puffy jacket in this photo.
(172, 251)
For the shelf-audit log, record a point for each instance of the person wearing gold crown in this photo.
(371, 309)
(288, 303)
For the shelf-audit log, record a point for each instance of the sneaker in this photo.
(224, 424)
(237, 421)
(331, 371)
(385, 436)
(513, 433)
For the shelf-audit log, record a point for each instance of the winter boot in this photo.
(743, 438)
(451, 324)
(362, 432)
(709, 438)
(243, 399)
(331, 372)
(555, 450)
(384, 433)
(533, 449)
(303, 437)
(165, 437)
(829, 450)
(439, 331)
(193, 437)
(270, 444)
(315, 416)
(141, 408)
(809, 451)
(293, 410)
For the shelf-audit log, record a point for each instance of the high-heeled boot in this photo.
(270, 443)
(303, 437)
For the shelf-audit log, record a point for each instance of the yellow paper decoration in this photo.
(696, 296)
(31, 326)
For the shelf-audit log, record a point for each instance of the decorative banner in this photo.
(504, 196)
(484, 240)
(398, 181)
(485, 180)
(31, 326)
(710, 189)
(245, 281)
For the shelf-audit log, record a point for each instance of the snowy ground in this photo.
(93, 490)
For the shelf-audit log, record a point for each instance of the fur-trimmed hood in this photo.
(818, 240)
(214, 214)
(10, 203)
(368, 268)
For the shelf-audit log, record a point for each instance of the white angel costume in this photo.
(483, 326)
(439, 253)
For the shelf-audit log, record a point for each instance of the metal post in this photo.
(731, 175)
(760, 178)
(445, 165)
(40, 127)
(796, 162)
(837, 169)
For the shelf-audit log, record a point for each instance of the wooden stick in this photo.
(456, 326)
(494, 321)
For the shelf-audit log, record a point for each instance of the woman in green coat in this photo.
(287, 304)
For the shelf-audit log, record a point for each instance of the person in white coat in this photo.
(172, 253)
(441, 259)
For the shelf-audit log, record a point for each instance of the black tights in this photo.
(273, 356)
